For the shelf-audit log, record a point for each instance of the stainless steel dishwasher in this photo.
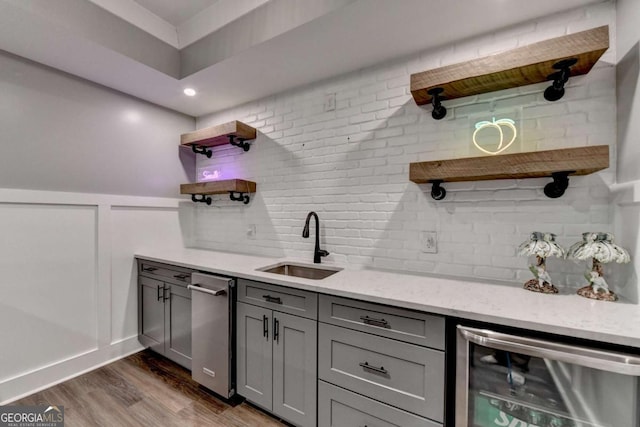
(212, 332)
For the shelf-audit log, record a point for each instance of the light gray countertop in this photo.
(510, 305)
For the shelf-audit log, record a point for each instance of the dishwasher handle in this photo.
(215, 293)
(619, 363)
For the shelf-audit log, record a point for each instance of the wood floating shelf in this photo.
(235, 133)
(238, 190)
(558, 164)
(555, 59)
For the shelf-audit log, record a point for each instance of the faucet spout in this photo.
(317, 253)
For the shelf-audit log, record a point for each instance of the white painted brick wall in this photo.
(351, 166)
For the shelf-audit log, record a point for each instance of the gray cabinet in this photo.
(280, 298)
(379, 365)
(254, 354)
(177, 324)
(401, 374)
(294, 368)
(151, 313)
(391, 322)
(338, 407)
(164, 312)
(276, 362)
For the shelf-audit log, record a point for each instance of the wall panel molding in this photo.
(109, 288)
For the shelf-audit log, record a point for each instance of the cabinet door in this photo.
(177, 317)
(254, 354)
(294, 368)
(151, 313)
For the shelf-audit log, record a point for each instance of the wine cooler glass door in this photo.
(511, 381)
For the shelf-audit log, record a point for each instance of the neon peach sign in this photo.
(498, 125)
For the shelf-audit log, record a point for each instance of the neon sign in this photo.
(497, 125)
(211, 175)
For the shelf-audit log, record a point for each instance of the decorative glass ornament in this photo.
(542, 245)
(600, 248)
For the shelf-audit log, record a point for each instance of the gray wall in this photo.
(61, 133)
(67, 146)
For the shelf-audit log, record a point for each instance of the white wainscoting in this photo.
(68, 296)
(132, 227)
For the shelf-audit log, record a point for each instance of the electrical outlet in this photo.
(330, 102)
(251, 231)
(429, 242)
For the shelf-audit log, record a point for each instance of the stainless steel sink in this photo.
(301, 270)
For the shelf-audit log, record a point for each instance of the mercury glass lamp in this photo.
(600, 248)
(542, 245)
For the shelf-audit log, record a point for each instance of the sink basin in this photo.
(300, 270)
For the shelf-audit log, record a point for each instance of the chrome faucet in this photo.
(317, 253)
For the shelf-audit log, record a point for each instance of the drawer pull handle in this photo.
(265, 327)
(374, 322)
(275, 300)
(149, 269)
(181, 276)
(379, 370)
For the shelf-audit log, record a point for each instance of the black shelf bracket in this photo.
(559, 185)
(201, 150)
(439, 111)
(241, 197)
(239, 142)
(556, 90)
(437, 192)
(553, 190)
(202, 199)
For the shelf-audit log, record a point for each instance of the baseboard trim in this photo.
(32, 382)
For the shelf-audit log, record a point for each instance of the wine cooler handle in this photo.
(618, 363)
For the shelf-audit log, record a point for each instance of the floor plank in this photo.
(145, 389)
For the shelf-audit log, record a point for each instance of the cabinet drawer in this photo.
(397, 323)
(338, 407)
(169, 273)
(404, 375)
(280, 298)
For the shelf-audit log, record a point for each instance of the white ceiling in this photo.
(344, 36)
(175, 12)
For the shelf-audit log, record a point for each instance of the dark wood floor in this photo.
(144, 390)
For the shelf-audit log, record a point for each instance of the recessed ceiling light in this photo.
(190, 92)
